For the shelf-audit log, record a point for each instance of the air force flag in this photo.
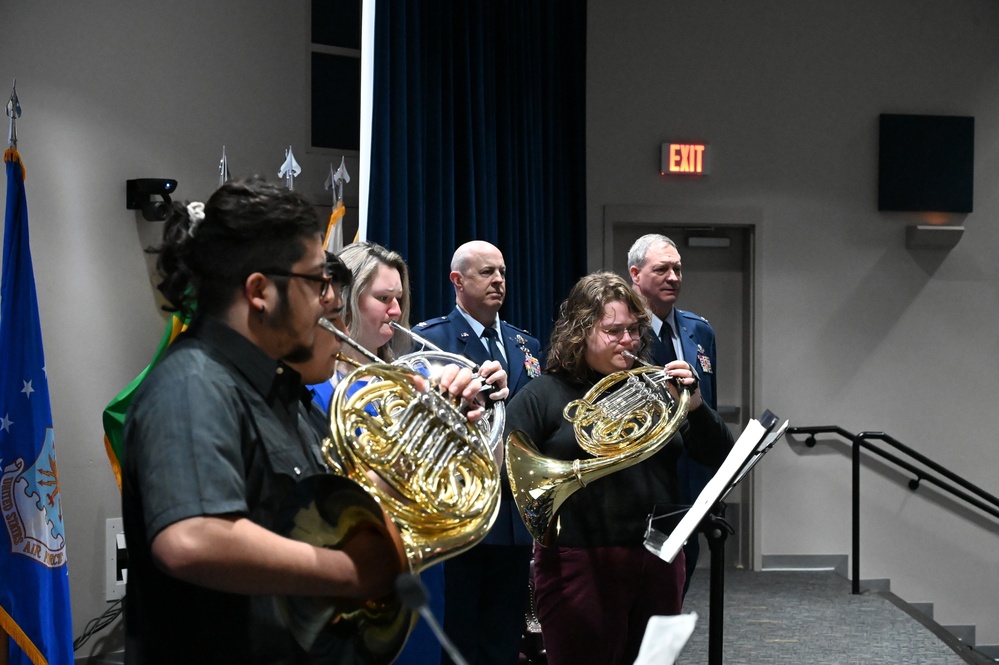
(34, 592)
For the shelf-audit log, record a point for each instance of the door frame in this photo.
(662, 218)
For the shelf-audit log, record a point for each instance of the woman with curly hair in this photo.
(596, 579)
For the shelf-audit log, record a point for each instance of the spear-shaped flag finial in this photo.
(224, 169)
(336, 179)
(289, 169)
(330, 185)
(13, 112)
(334, 230)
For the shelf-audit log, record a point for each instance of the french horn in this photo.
(431, 472)
(624, 419)
(431, 359)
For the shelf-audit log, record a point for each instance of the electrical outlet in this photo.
(117, 559)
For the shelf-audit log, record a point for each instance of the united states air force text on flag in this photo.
(34, 593)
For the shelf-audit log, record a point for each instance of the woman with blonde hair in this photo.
(377, 297)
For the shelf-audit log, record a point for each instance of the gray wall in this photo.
(853, 329)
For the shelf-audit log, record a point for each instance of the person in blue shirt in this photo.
(377, 297)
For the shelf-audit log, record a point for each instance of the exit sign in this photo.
(684, 159)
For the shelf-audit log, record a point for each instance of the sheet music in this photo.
(761, 450)
(748, 449)
(664, 638)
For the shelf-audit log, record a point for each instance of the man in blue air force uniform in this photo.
(656, 274)
(486, 587)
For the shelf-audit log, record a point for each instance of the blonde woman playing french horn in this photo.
(378, 298)
(596, 585)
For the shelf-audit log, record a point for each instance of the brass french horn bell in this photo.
(625, 419)
(431, 471)
(417, 454)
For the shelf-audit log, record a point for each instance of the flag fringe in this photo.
(177, 326)
(335, 216)
(113, 460)
(12, 155)
(9, 626)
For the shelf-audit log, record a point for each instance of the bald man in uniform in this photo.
(486, 587)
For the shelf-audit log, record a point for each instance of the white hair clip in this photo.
(196, 212)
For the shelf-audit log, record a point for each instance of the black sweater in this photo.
(612, 510)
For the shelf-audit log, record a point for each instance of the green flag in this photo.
(114, 413)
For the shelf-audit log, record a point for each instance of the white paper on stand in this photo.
(664, 638)
(753, 441)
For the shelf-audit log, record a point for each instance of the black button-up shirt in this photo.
(217, 428)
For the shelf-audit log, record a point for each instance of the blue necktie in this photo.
(492, 341)
(666, 335)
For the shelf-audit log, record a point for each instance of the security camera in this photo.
(139, 193)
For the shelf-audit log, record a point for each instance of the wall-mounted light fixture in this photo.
(139, 193)
(926, 165)
(932, 236)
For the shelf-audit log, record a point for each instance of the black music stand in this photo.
(707, 515)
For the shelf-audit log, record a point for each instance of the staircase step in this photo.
(836, 562)
(989, 651)
(880, 584)
(964, 633)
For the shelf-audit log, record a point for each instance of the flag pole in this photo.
(13, 112)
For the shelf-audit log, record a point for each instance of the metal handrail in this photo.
(985, 502)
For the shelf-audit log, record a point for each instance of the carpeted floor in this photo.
(809, 617)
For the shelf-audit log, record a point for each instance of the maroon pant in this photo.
(594, 603)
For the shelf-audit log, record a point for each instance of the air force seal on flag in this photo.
(32, 508)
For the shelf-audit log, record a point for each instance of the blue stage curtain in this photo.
(479, 133)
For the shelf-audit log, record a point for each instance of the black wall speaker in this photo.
(926, 163)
